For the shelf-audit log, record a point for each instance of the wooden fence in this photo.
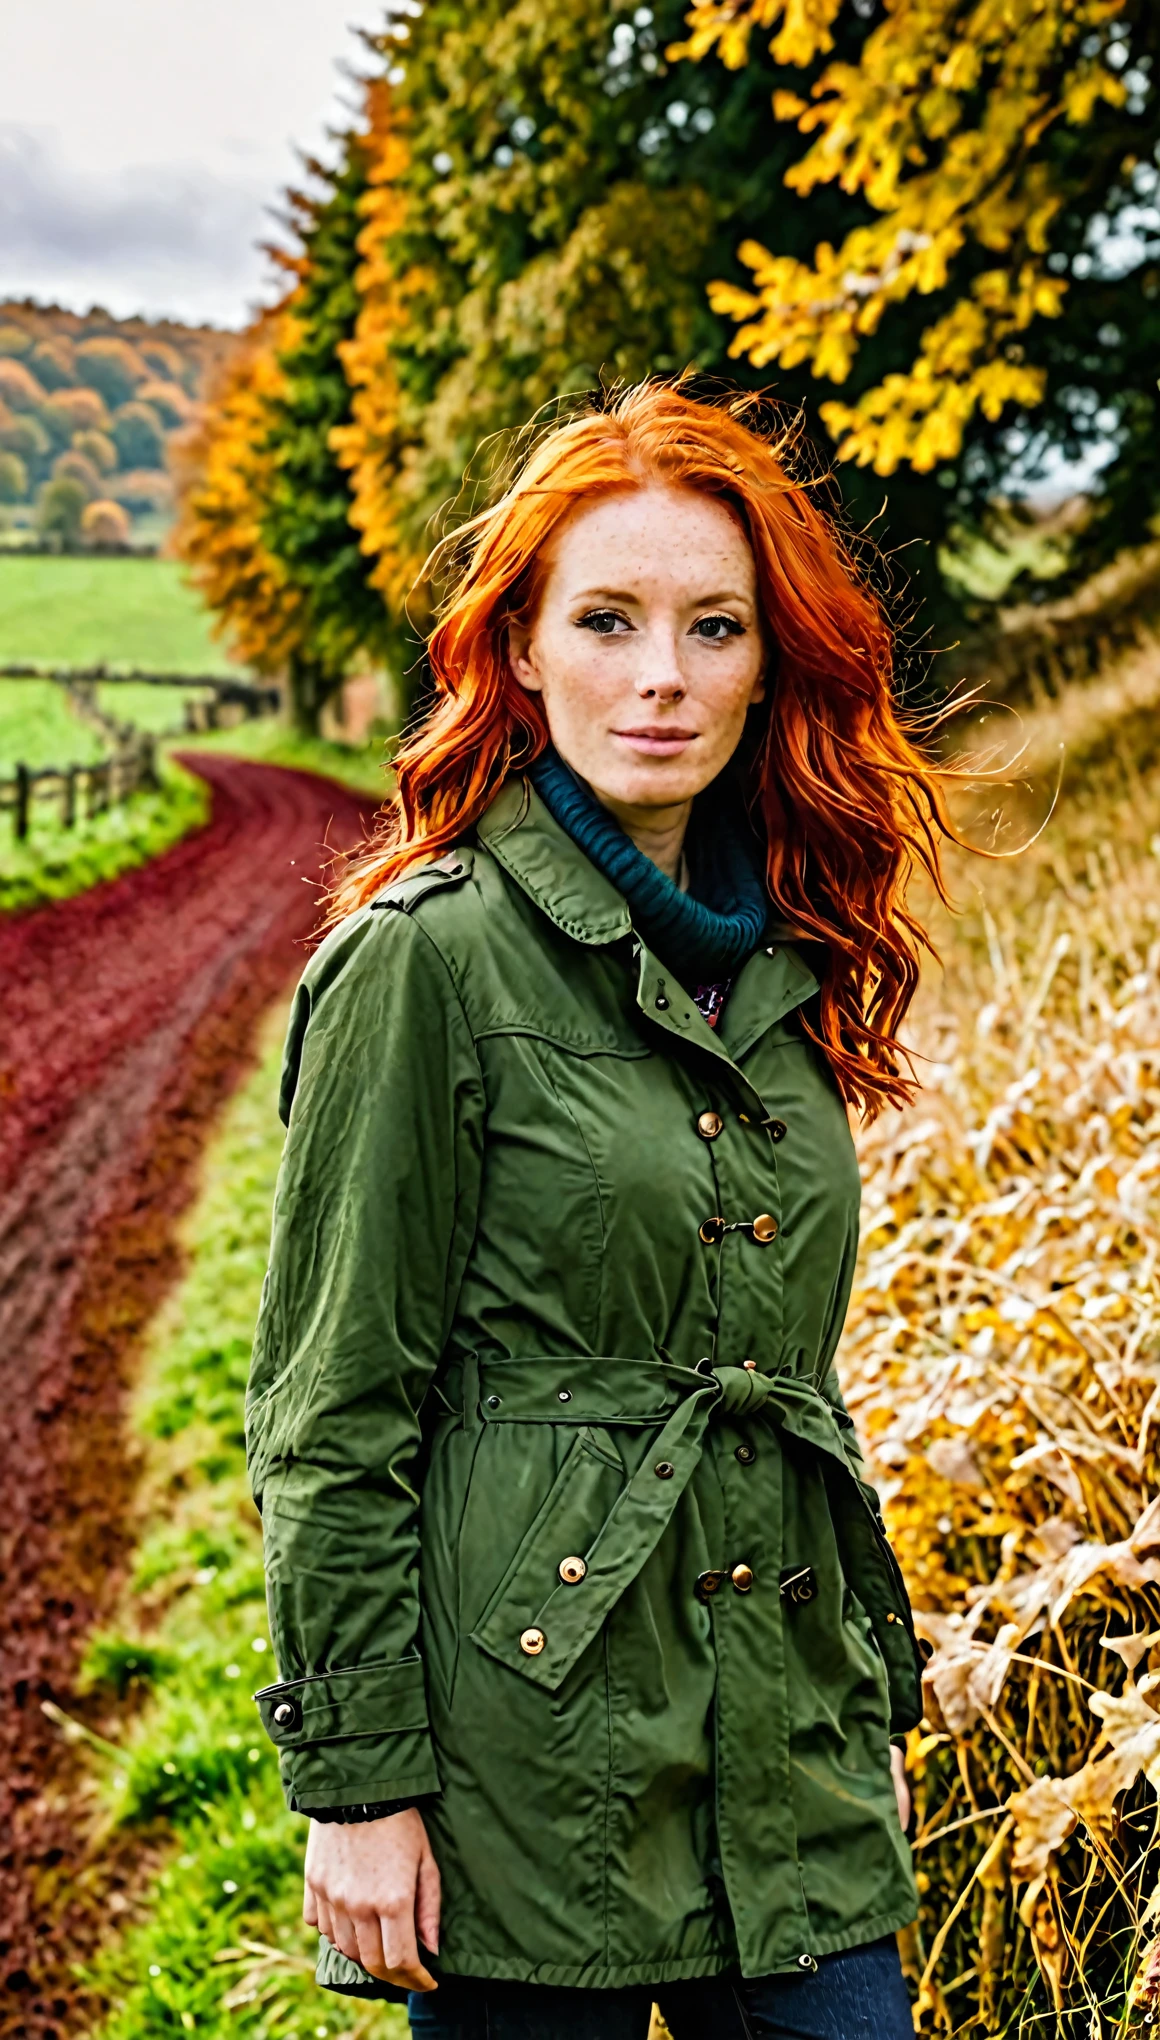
(82, 791)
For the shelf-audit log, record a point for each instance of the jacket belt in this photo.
(629, 1517)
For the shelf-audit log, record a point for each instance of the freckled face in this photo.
(646, 646)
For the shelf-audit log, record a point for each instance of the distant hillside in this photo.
(89, 406)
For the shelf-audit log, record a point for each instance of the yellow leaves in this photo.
(725, 26)
(937, 128)
(369, 446)
(224, 477)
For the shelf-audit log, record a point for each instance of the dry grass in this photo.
(1002, 1358)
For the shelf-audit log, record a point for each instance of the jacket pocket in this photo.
(532, 1613)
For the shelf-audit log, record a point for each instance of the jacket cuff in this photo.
(351, 1738)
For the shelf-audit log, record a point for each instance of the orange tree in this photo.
(1001, 158)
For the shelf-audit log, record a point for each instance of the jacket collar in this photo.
(553, 871)
(546, 864)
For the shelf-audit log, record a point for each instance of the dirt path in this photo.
(126, 1017)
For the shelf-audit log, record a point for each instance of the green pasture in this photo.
(38, 727)
(160, 709)
(79, 611)
(216, 1942)
(53, 862)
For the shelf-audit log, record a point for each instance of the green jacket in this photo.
(563, 1514)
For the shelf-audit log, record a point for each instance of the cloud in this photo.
(162, 240)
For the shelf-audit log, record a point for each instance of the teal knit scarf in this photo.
(705, 934)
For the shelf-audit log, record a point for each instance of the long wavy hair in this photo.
(839, 785)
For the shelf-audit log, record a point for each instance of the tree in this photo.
(225, 469)
(111, 366)
(105, 523)
(69, 411)
(60, 509)
(14, 340)
(98, 449)
(168, 400)
(19, 388)
(26, 437)
(139, 436)
(553, 200)
(74, 465)
(53, 364)
(999, 156)
(305, 522)
(13, 479)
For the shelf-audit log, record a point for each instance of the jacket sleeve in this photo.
(374, 1216)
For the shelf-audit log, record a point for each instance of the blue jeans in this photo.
(859, 1995)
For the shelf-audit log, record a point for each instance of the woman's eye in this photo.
(603, 621)
(714, 628)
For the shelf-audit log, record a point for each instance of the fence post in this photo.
(20, 824)
(68, 813)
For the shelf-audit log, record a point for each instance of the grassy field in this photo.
(125, 612)
(160, 709)
(219, 1944)
(53, 862)
(37, 727)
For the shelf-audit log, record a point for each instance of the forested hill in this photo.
(88, 406)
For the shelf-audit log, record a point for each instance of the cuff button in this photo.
(288, 1714)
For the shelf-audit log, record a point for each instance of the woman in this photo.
(591, 1643)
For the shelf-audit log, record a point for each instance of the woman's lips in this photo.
(662, 742)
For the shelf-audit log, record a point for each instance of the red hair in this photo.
(848, 802)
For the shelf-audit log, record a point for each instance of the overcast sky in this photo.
(143, 141)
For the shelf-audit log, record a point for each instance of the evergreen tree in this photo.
(305, 519)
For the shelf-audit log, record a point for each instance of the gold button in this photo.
(742, 1578)
(532, 1642)
(750, 1366)
(709, 1125)
(572, 1571)
(711, 1231)
(764, 1229)
(664, 1469)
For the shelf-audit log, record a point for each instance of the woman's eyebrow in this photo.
(627, 595)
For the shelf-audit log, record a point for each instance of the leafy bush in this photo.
(143, 489)
(140, 436)
(54, 364)
(105, 523)
(26, 437)
(111, 366)
(169, 401)
(60, 509)
(13, 478)
(14, 341)
(97, 448)
(72, 466)
(19, 388)
(69, 411)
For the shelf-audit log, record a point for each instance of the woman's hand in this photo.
(901, 1785)
(373, 1890)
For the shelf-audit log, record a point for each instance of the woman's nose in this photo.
(660, 677)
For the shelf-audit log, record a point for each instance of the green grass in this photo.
(217, 1944)
(269, 742)
(126, 612)
(38, 727)
(161, 709)
(53, 862)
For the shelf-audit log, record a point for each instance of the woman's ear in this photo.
(521, 658)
